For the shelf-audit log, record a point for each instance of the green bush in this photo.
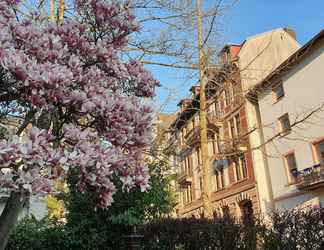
(191, 233)
(50, 235)
(294, 230)
(290, 230)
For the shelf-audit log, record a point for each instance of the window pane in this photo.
(278, 92)
(221, 172)
(198, 156)
(243, 165)
(285, 123)
(232, 127)
(291, 162)
(217, 181)
(238, 123)
(237, 170)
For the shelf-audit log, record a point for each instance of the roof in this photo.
(291, 61)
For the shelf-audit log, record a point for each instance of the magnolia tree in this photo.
(71, 74)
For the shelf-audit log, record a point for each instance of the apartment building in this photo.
(290, 108)
(234, 186)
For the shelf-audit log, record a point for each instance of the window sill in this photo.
(220, 189)
(239, 181)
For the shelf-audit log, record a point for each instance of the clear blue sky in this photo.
(246, 18)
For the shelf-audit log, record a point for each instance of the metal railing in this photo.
(310, 177)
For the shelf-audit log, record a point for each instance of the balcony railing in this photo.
(235, 145)
(184, 178)
(192, 136)
(310, 178)
(214, 118)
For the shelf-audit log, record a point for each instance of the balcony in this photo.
(192, 136)
(232, 146)
(310, 178)
(184, 178)
(237, 102)
(214, 118)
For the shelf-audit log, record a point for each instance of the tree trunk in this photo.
(9, 216)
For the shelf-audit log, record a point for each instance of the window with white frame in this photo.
(219, 179)
(240, 168)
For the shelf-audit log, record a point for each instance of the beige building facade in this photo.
(238, 182)
(259, 57)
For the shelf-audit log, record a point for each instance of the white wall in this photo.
(259, 56)
(304, 91)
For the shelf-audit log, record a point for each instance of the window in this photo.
(232, 127)
(243, 166)
(217, 184)
(319, 151)
(238, 124)
(218, 139)
(238, 171)
(217, 108)
(219, 179)
(291, 165)
(189, 193)
(221, 173)
(184, 197)
(284, 124)
(278, 92)
(201, 186)
(198, 156)
(240, 168)
(187, 160)
(227, 96)
(214, 144)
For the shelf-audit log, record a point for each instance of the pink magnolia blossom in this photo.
(74, 70)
